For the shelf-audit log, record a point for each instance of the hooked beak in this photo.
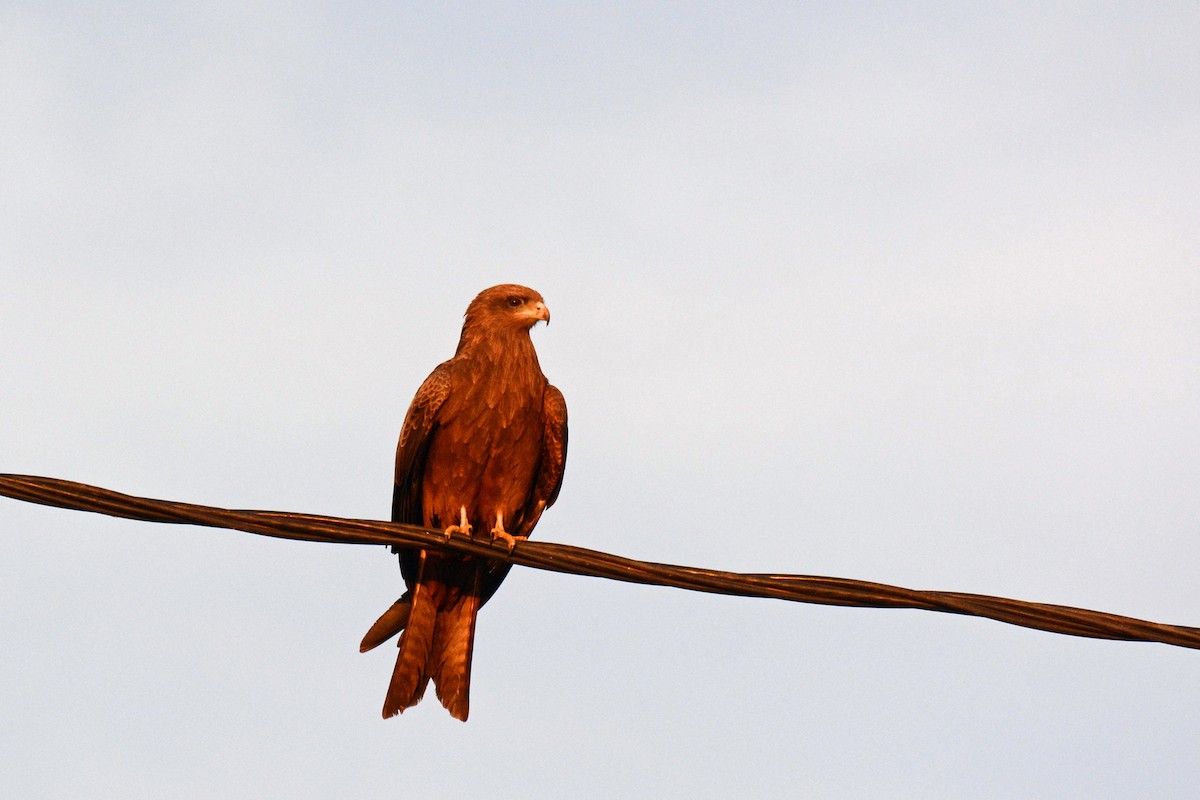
(542, 313)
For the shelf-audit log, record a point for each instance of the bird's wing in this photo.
(420, 425)
(415, 436)
(547, 479)
(554, 450)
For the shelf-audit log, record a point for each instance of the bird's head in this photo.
(507, 306)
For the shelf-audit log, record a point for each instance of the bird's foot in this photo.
(509, 540)
(498, 532)
(453, 529)
(462, 527)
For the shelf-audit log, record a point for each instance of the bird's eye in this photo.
(515, 301)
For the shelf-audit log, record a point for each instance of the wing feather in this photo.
(546, 482)
(416, 434)
(554, 448)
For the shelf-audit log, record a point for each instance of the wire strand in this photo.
(581, 561)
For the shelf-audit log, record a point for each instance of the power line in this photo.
(581, 561)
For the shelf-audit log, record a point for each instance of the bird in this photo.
(481, 452)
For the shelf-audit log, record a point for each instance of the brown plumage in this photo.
(486, 439)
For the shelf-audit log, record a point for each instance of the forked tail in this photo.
(438, 621)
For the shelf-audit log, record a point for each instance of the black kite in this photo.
(482, 448)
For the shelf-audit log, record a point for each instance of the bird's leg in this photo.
(498, 532)
(462, 527)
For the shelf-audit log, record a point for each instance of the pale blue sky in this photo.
(902, 295)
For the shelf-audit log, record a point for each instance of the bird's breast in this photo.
(485, 451)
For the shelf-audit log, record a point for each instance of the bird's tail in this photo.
(438, 621)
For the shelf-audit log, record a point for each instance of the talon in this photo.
(505, 536)
(498, 532)
(462, 527)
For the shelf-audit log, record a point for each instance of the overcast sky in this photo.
(902, 294)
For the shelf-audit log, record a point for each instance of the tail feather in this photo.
(438, 621)
(453, 642)
(409, 676)
(389, 624)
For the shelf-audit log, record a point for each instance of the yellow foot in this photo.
(507, 538)
(462, 527)
(498, 532)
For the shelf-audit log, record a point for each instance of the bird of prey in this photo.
(481, 452)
